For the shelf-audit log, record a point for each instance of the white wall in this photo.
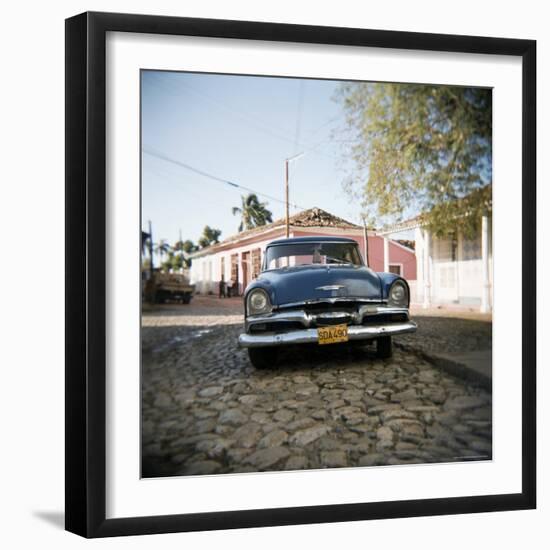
(32, 203)
(200, 269)
(417, 296)
(451, 281)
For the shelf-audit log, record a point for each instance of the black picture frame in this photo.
(86, 275)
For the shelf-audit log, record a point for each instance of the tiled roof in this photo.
(313, 217)
(316, 217)
(406, 225)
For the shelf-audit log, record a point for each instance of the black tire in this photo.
(263, 358)
(186, 298)
(384, 347)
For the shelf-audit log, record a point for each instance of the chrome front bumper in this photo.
(308, 320)
(308, 334)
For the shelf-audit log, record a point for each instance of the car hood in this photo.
(306, 283)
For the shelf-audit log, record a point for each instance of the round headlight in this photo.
(258, 302)
(398, 294)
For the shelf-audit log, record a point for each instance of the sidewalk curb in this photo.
(450, 366)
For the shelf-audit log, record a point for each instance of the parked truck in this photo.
(169, 287)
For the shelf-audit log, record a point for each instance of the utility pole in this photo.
(151, 267)
(150, 249)
(287, 216)
(182, 255)
(365, 233)
(286, 200)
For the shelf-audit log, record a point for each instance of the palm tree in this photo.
(162, 248)
(209, 236)
(253, 212)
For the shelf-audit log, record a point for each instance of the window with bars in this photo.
(235, 268)
(256, 262)
(395, 268)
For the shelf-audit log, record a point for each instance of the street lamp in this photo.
(287, 162)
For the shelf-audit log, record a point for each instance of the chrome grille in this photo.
(332, 318)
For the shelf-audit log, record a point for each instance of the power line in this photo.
(168, 177)
(299, 115)
(205, 97)
(251, 120)
(161, 156)
(326, 123)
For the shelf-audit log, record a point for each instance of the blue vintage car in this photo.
(317, 290)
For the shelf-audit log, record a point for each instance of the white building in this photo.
(452, 270)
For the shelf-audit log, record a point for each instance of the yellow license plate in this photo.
(333, 334)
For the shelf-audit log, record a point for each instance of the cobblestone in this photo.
(206, 410)
(444, 332)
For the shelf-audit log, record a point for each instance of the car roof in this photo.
(297, 240)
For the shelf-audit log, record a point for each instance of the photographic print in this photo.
(283, 261)
(316, 272)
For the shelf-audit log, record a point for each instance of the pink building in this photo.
(239, 258)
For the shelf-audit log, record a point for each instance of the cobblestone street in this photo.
(206, 410)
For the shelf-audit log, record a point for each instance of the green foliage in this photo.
(420, 148)
(162, 248)
(183, 248)
(187, 246)
(177, 262)
(209, 236)
(167, 265)
(253, 213)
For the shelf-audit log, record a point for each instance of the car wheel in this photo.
(384, 347)
(263, 358)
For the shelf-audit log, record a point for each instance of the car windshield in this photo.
(324, 253)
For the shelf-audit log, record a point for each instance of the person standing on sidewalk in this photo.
(222, 293)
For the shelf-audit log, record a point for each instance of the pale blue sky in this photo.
(238, 128)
